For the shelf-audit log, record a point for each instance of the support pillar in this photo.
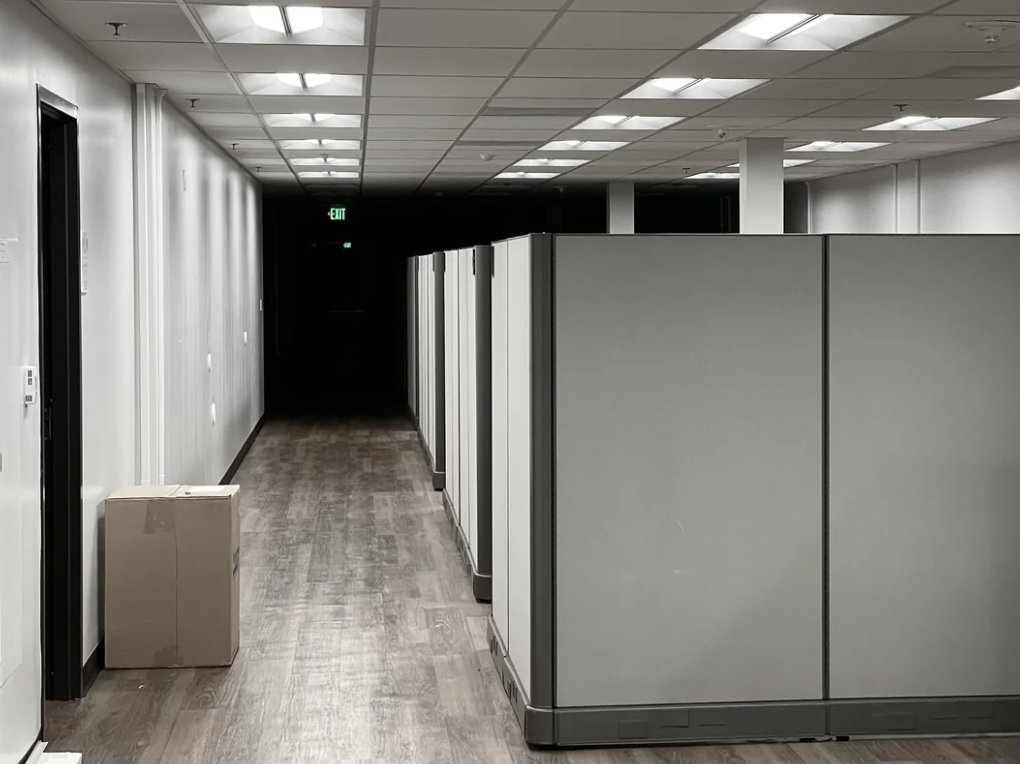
(761, 185)
(620, 207)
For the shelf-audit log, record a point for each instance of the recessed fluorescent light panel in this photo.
(935, 124)
(1013, 94)
(800, 31)
(285, 24)
(583, 146)
(326, 161)
(330, 175)
(613, 122)
(787, 162)
(313, 120)
(316, 144)
(302, 83)
(542, 162)
(667, 88)
(714, 176)
(838, 147)
(528, 175)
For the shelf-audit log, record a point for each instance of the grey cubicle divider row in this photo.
(756, 487)
(467, 497)
(429, 347)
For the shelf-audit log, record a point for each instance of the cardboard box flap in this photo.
(144, 492)
(206, 491)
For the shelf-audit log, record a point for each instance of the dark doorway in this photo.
(60, 397)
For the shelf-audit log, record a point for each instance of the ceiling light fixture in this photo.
(1013, 94)
(583, 145)
(528, 175)
(677, 85)
(648, 124)
(545, 162)
(288, 20)
(839, 147)
(330, 174)
(715, 176)
(771, 27)
(303, 81)
(787, 162)
(932, 123)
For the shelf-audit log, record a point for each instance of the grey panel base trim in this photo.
(438, 478)
(537, 724)
(655, 725)
(481, 583)
(925, 716)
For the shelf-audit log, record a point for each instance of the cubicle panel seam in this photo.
(826, 690)
(543, 640)
(439, 460)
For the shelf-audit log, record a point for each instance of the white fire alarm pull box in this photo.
(30, 385)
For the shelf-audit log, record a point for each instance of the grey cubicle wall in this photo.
(756, 487)
(430, 362)
(924, 486)
(411, 372)
(681, 596)
(467, 498)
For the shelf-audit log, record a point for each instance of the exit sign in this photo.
(348, 245)
(338, 213)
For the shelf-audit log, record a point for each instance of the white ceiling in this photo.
(438, 84)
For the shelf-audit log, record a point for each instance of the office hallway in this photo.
(360, 641)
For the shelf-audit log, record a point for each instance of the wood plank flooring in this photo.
(361, 642)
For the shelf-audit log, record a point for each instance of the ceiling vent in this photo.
(534, 111)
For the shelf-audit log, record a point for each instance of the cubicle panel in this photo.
(500, 440)
(412, 338)
(518, 286)
(454, 412)
(688, 486)
(925, 468)
(464, 357)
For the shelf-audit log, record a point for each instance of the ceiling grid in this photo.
(479, 96)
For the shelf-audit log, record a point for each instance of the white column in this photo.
(620, 207)
(761, 185)
(149, 281)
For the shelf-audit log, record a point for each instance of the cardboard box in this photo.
(172, 576)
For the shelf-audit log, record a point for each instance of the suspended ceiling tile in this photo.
(408, 86)
(195, 83)
(688, 107)
(411, 134)
(231, 135)
(426, 106)
(554, 87)
(665, 6)
(740, 64)
(377, 145)
(547, 103)
(937, 33)
(267, 104)
(550, 62)
(247, 144)
(887, 110)
(833, 123)
(143, 22)
(525, 123)
(663, 31)
(768, 108)
(525, 136)
(821, 88)
(417, 121)
(295, 58)
(158, 56)
(225, 119)
(849, 6)
(509, 5)
(955, 89)
(221, 103)
(854, 65)
(474, 62)
(460, 28)
(982, 7)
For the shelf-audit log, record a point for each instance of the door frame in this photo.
(61, 444)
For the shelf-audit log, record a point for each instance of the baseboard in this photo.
(925, 716)
(239, 459)
(481, 583)
(95, 663)
(35, 752)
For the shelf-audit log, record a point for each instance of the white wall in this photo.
(35, 53)
(212, 266)
(968, 192)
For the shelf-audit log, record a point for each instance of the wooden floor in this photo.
(360, 640)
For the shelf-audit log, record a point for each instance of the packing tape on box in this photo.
(159, 518)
